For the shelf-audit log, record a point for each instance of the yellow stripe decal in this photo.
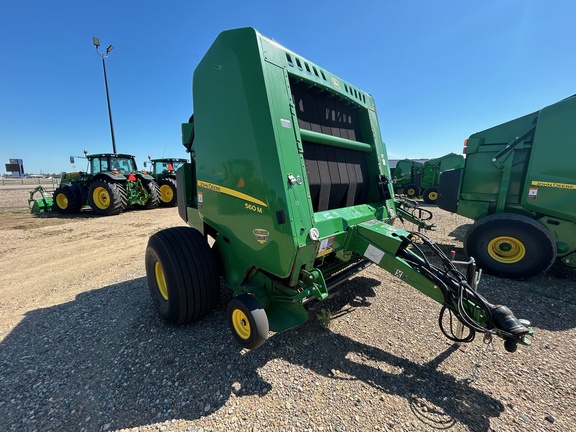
(553, 185)
(231, 192)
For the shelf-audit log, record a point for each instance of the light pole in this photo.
(96, 43)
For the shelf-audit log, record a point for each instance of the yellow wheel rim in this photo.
(410, 192)
(433, 196)
(161, 280)
(166, 193)
(61, 201)
(506, 250)
(101, 198)
(241, 324)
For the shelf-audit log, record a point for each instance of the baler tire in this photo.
(248, 321)
(67, 200)
(182, 275)
(510, 245)
(106, 198)
(430, 195)
(153, 190)
(412, 191)
(168, 193)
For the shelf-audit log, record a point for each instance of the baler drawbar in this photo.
(290, 179)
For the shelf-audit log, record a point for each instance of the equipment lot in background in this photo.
(82, 346)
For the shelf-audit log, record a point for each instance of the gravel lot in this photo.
(81, 347)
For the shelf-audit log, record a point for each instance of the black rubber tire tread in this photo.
(257, 318)
(539, 244)
(189, 270)
(72, 194)
(117, 197)
(154, 191)
(429, 191)
(412, 187)
(170, 182)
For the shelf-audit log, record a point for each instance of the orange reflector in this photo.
(465, 145)
(170, 167)
(131, 177)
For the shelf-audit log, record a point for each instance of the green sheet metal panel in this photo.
(550, 185)
(251, 130)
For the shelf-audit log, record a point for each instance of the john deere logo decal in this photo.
(261, 235)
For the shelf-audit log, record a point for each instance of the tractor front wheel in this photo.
(106, 198)
(168, 197)
(182, 275)
(67, 199)
(510, 245)
(151, 189)
(248, 321)
(430, 195)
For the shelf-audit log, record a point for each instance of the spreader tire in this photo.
(430, 195)
(182, 275)
(106, 198)
(510, 245)
(248, 321)
(412, 191)
(168, 197)
(67, 199)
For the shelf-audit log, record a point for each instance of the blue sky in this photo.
(438, 70)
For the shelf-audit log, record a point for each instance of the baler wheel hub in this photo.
(506, 249)
(241, 324)
(161, 280)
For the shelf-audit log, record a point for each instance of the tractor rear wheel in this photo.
(430, 195)
(168, 197)
(151, 188)
(106, 198)
(182, 275)
(67, 199)
(248, 321)
(412, 191)
(510, 245)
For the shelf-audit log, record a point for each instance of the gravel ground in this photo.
(103, 360)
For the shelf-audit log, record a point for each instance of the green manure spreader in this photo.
(289, 176)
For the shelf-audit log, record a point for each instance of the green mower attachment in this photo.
(290, 178)
(39, 205)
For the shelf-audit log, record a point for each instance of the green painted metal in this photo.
(432, 168)
(407, 172)
(526, 166)
(290, 176)
(42, 204)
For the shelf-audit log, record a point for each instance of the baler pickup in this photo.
(290, 178)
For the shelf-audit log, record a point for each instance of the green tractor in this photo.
(290, 179)
(111, 183)
(164, 172)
